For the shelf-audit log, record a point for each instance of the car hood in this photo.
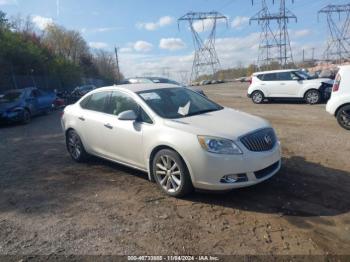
(5, 106)
(227, 123)
(320, 80)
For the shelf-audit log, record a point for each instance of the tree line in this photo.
(59, 57)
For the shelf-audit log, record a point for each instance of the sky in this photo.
(150, 41)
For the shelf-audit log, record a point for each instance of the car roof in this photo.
(274, 71)
(138, 87)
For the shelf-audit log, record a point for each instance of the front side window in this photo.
(96, 102)
(285, 76)
(177, 102)
(120, 102)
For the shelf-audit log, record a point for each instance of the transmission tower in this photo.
(274, 38)
(338, 46)
(205, 59)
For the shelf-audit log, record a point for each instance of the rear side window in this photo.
(260, 77)
(270, 77)
(96, 102)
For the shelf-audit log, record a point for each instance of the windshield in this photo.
(177, 102)
(10, 97)
(303, 74)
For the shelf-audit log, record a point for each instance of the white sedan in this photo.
(180, 138)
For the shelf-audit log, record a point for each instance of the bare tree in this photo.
(66, 43)
(106, 65)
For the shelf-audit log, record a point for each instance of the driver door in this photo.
(124, 136)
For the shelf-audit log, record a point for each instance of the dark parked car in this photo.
(158, 80)
(20, 105)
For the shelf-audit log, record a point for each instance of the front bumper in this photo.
(11, 117)
(207, 170)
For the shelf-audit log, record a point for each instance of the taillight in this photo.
(250, 80)
(336, 83)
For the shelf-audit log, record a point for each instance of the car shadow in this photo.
(290, 102)
(301, 188)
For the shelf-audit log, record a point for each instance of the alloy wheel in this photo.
(312, 97)
(345, 118)
(74, 145)
(257, 97)
(168, 173)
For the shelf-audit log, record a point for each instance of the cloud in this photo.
(85, 30)
(143, 46)
(41, 22)
(98, 45)
(152, 26)
(8, 2)
(171, 44)
(125, 50)
(239, 21)
(301, 33)
(206, 24)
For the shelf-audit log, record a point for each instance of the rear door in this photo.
(91, 121)
(270, 85)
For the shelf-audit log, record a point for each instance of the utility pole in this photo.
(205, 60)
(117, 64)
(274, 44)
(338, 46)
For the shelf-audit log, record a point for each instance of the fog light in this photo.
(234, 178)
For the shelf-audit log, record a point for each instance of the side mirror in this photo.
(127, 115)
(296, 78)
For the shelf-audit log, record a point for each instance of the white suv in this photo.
(290, 84)
(339, 104)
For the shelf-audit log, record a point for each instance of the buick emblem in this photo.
(268, 139)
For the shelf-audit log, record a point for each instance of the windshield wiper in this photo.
(203, 112)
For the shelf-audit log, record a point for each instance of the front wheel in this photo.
(343, 117)
(171, 174)
(27, 117)
(257, 97)
(313, 97)
(75, 147)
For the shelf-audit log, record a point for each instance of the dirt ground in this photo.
(51, 205)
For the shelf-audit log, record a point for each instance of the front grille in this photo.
(261, 140)
(266, 171)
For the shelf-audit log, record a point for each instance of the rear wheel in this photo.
(257, 97)
(75, 146)
(343, 117)
(171, 174)
(313, 97)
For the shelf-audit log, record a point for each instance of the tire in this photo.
(343, 117)
(258, 97)
(75, 147)
(27, 117)
(171, 174)
(313, 97)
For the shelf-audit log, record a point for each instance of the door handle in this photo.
(283, 84)
(108, 126)
(81, 118)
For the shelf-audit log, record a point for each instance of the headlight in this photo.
(219, 145)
